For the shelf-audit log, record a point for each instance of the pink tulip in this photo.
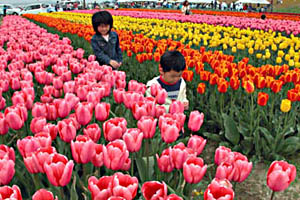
(51, 129)
(154, 88)
(197, 143)
(280, 175)
(130, 98)
(83, 149)
(34, 162)
(242, 169)
(219, 189)
(7, 192)
(127, 165)
(43, 139)
(93, 131)
(97, 159)
(7, 153)
(30, 144)
(67, 131)
(2, 103)
(125, 186)
(58, 169)
(84, 113)
(91, 58)
(82, 92)
(135, 86)
(72, 99)
(147, 125)
(118, 95)
(180, 154)
(154, 190)
(58, 83)
(165, 162)
(63, 107)
(223, 154)
(194, 170)
(169, 131)
(114, 128)
(176, 107)
(14, 117)
(43, 194)
(225, 171)
(161, 96)
(159, 111)
(195, 120)
(133, 138)
(173, 197)
(102, 111)
(139, 109)
(72, 119)
(46, 98)
(7, 171)
(102, 188)
(3, 125)
(69, 87)
(37, 124)
(115, 154)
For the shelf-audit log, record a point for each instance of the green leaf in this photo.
(74, 195)
(291, 145)
(267, 135)
(247, 145)
(291, 130)
(231, 131)
(212, 136)
(141, 166)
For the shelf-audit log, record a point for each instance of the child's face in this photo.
(172, 76)
(103, 29)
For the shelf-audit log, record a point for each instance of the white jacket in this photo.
(181, 95)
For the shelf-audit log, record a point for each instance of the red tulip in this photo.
(262, 98)
(7, 192)
(219, 189)
(280, 175)
(97, 160)
(115, 154)
(37, 124)
(84, 113)
(93, 131)
(102, 111)
(124, 186)
(201, 88)
(83, 149)
(197, 143)
(194, 170)
(147, 125)
(234, 82)
(165, 162)
(102, 188)
(133, 138)
(3, 125)
(58, 169)
(195, 120)
(154, 190)
(67, 131)
(249, 86)
(114, 128)
(43, 194)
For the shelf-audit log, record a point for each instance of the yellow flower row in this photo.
(263, 44)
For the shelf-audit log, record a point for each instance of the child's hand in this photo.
(186, 105)
(114, 64)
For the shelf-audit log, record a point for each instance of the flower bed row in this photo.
(224, 20)
(261, 47)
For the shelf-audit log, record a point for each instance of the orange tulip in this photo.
(261, 82)
(262, 98)
(201, 88)
(276, 86)
(249, 86)
(204, 75)
(156, 57)
(213, 79)
(129, 53)
(234, 82)
(222, 85)
(199, 67)
(292, 95)
(188, 75)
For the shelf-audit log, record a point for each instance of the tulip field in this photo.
(73, 129)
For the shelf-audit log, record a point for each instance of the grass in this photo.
(288, 10)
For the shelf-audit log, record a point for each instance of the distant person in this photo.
(4, 10)
(105, 43)
(75, 5)
(56, 6)
(186, 8)
(95, 4)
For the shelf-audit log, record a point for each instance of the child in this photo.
(172, 64)
(105, 42)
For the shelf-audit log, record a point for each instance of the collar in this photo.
(165, 82)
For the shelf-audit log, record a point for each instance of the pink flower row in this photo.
(239, 22)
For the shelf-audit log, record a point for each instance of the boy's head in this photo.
(172, 64)
(102, 22)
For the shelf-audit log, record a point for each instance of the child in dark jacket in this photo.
(105, 42)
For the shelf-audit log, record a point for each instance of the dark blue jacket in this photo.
(106, 51)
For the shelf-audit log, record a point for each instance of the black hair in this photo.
(102, 17)
(263, 16)
(172, 60)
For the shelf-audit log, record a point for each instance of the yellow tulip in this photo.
(278, 60)
(287, 57)
(268, 55)
(291, 63)
(285, 105)
(233, 49)
(258, 55)
(250, 51)
(296, 58)
(297, 64)
(280, 53)
(225, 46)
(274, 47)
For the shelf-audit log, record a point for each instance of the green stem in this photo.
(36, 181)
(147, 154)
(132, 164)
(272, 195)
(251, 114)
(62, 193)
(113, 114)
